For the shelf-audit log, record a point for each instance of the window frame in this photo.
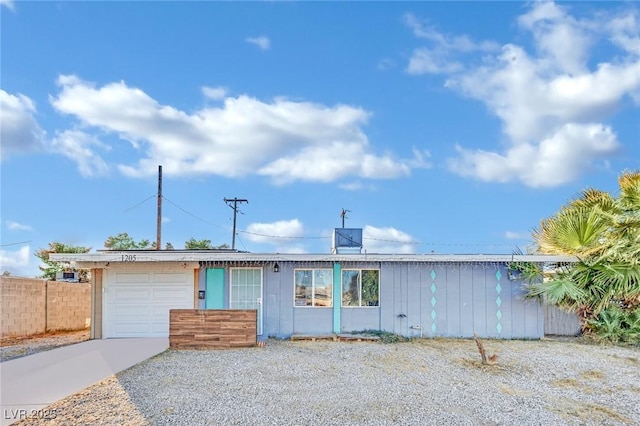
(360, 271)
(313, 288)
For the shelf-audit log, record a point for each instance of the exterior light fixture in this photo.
(276, 267)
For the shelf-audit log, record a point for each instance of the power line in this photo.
(283, 236)
(305, 237)
(140, 203)
(193, 215)
(15, 244)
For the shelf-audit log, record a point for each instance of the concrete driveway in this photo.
(33, 382)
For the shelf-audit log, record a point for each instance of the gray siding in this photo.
(445, 299)
(359, 319)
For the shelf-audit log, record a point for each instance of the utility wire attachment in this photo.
(235, 202)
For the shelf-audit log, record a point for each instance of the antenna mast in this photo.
(343, 215)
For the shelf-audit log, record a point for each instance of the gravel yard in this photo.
(16, 347)
(425, 381)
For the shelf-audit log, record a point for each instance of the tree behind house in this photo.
(51, 268)
(193, 244)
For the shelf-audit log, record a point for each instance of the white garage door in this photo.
(137, 303)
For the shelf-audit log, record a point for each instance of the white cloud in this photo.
(9, 260)
(356, 186)
(274, 232)
(9, 4)
(262, 42)
(625, 32)
(551, 102)
(19, 130)
(386, 64)
(215, 93)
(510, 235)
(387, 240)
(426, 61)
(78, 146)
(284, 235)
(165, 219)
(553, 161)
(283, 139)
(560, 39)
(439, 57)
(15, 226)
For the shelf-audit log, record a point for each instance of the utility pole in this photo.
(343, 215)
(235, 202)
(159, 218)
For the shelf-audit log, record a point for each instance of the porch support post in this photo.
(337, 296)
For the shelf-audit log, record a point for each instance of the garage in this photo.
(136, 303)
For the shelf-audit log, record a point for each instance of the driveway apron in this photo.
(30, 383)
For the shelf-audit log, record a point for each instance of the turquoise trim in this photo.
(214, 296)
(337, 296)
(499, 302)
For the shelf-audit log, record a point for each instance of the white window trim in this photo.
(313, 287)
(360, 284)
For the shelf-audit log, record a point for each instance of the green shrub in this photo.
(385, 336)
(617, 325)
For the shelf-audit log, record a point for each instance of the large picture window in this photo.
(313, 287)
(360, 287)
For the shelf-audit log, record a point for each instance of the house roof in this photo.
(87, 260)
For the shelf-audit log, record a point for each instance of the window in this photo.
(313, 287)
(360, 287)
(246, 288)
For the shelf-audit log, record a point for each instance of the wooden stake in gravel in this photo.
(483, 354)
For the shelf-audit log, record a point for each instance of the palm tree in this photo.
(603, 232)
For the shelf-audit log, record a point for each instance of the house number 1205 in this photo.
(128, 257)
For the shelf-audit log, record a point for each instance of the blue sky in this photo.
(446, 127)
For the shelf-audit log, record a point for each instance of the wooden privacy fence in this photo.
(212, 328)
(560, 323)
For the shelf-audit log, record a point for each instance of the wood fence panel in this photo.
(560, 323)
(212, 328)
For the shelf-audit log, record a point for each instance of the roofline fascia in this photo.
(141, 256)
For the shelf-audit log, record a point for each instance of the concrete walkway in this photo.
(32, 382)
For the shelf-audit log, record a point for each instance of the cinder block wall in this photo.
(32, 306)
(23, 310)
(68, 306)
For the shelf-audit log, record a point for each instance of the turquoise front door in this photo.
(214, 296)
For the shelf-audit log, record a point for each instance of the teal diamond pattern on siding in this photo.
(499, 302)
(433, 301)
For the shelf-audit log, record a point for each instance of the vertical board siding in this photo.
(414, 301)
(448, 300)
(465, 303)
(560, 323)
(479, 302)
(452, 294)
